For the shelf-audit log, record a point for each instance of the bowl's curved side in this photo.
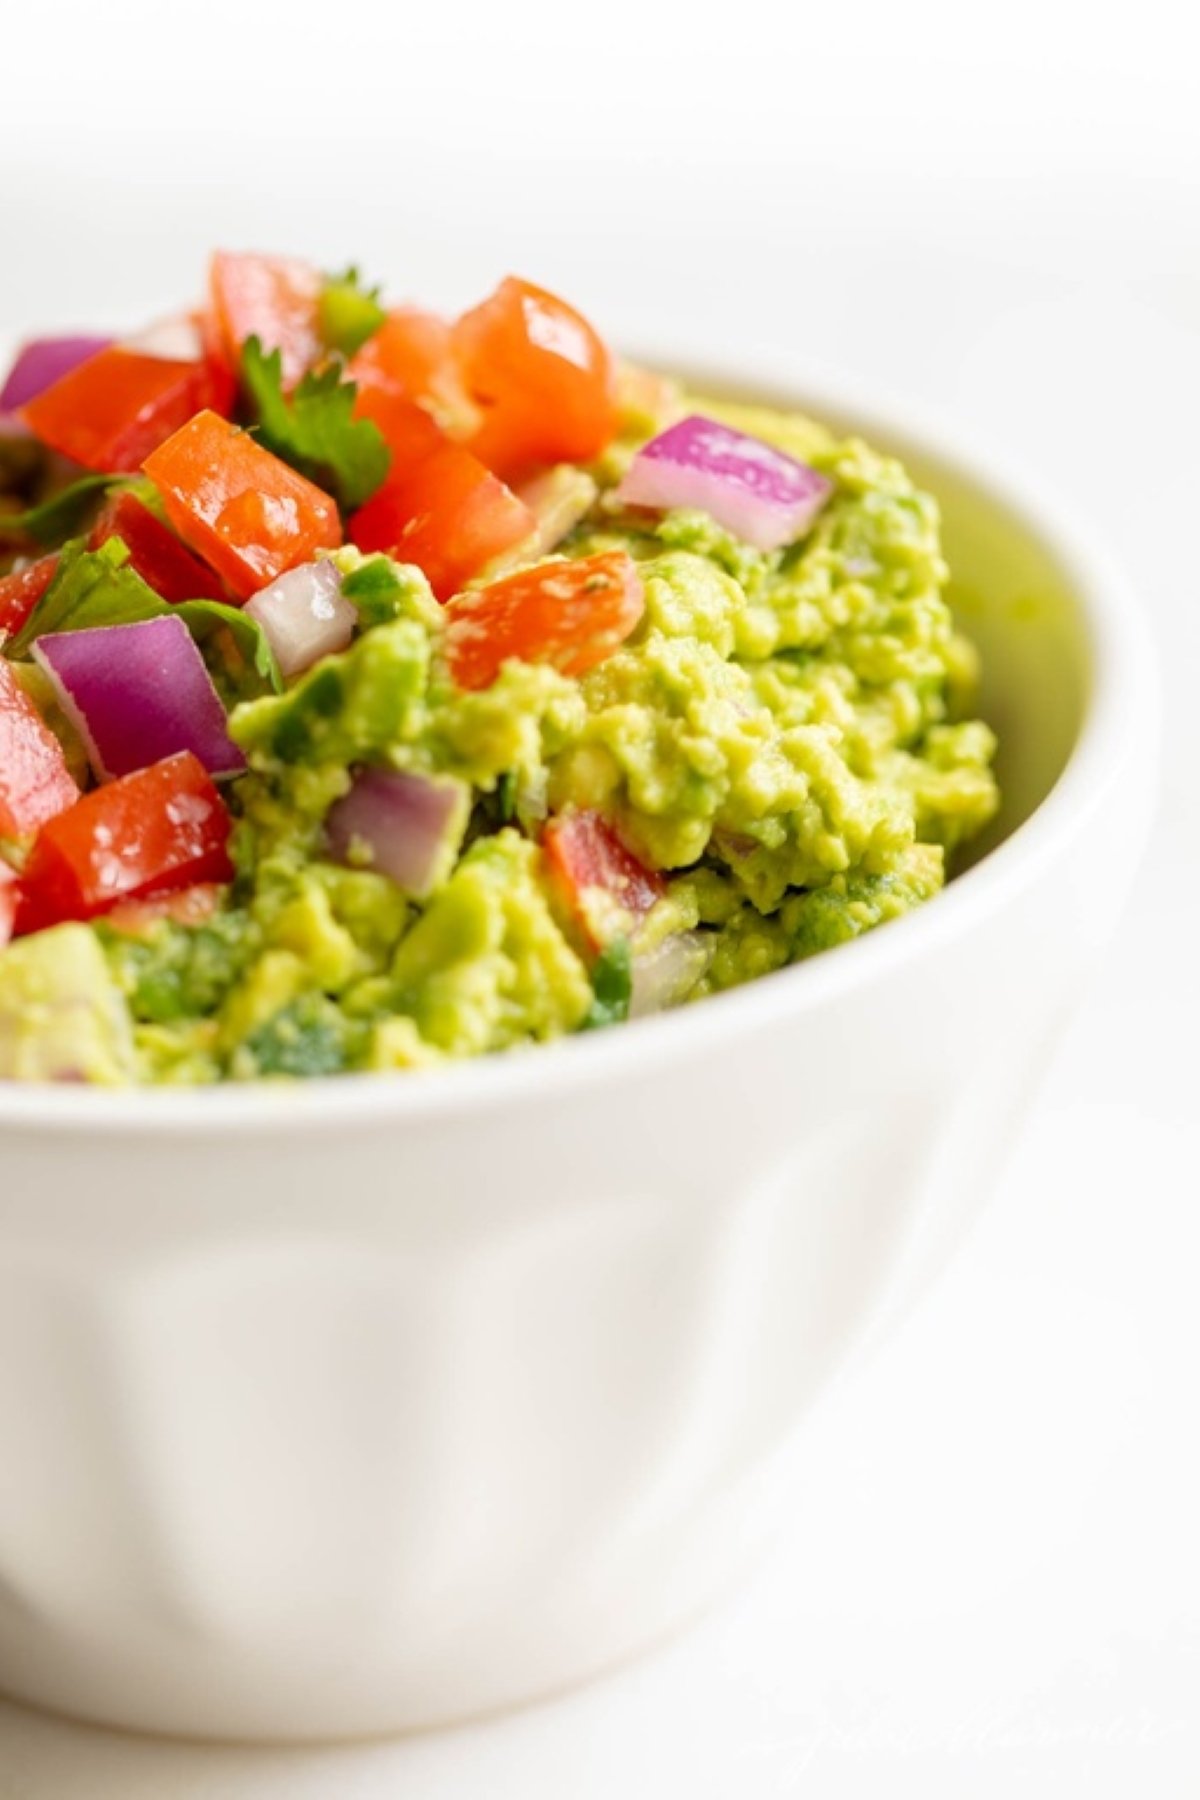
(404, 1425)
(366, 1408)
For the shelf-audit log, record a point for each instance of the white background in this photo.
(992, 1584)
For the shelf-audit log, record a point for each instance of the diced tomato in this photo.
(159, 558)
(543, 377)
(409, 352)
(35, 782)
(412, 355)
(272, 298)
(222, 372)
(604, 886)
(20, 593)
(192, 337)
(448, 514)
(190, 906)
(118, 406)
(409, 431)
(10, 895)
(244, 511)
(161, 828)
(568, 614)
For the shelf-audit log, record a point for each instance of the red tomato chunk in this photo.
(412, 356)
(114, 409)
(571, 615)
(9, 899)
(448, 514)
(543, 377)
(162, 828)
(35, 782)
(244, 511)
(20, 593)
(272, 298)
(597, 876)
(189, 906)
(154, 552)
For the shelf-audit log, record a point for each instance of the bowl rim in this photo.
(1118, 720)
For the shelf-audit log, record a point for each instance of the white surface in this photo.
(993, 1585)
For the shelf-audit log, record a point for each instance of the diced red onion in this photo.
(755, 491)
(42, 362)
(405, 826)
(139, 693)
(304, 615)
(668, 973)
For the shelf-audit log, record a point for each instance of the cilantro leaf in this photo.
(309, 1037)
(378, 590)
(506, 791)
(348, 313)
(178, 969)
(315, 429)
(98, 587)
(612, 985)
(56, 518)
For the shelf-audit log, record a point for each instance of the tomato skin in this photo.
(10, 895)
(160, 828)
(412, 355)
(409, 431)
(409, 351)
(545, 380)
(222, 373)
(448, 514)
(248, 514)
(20, 593)
(35, 783)
(598, 878)
(155, 553)
(111, 411)
(571, 615)
(272, 298)
(189, 906)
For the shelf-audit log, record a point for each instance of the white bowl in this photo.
(372, 1404)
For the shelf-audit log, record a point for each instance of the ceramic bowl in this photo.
(372, 1404)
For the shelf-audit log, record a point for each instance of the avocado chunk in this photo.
(62, 1017)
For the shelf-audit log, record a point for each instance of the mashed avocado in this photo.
(784, 745)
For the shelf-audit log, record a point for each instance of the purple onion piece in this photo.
(42, 362)
(304, 615)
(755, 491)
(138, 693)
(408, 827)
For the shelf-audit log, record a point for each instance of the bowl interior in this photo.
(1017, 603)
(1024, 588)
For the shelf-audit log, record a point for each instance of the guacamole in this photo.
(639, 755)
